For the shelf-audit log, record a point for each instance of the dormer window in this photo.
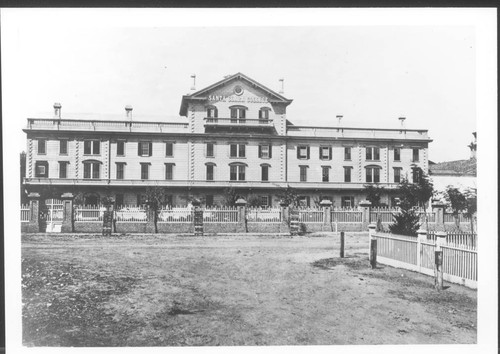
(238, 114)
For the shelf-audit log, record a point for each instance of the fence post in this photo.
(342, 242)
(365, 206)
(68, 214)
(284, 228)
(242, 215)
(327, 215)
(438, 256)
(373, 245)
(421, 237)
(34, 223)
(438, 209)
(197, 218)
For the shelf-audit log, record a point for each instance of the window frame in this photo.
(417, 150)
(327, 169)
(345, 198)
(145, 170)
(347, 153)
(63, 142)
(374, 174)
(239, 149)
(41, 143)
(122, 166)
(329, 151)
(374, 154)
(269, 151)
(303, 173)
(94, 144)
(45, 166)
(170, 173)
(140, 148)
(93, 167)
(118, 144)
(210, 173)
(237, 172)
(171, 144)
(307, 150)
(264, 167)
(348, 172)
(213, 149)
(65, 164)
(397, 173)
(397, 154)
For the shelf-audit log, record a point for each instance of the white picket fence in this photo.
(408, 252)
(386, 215)
(270, 215)
(347, 215)
(131, 214)
(311, 215)
(220, 215)
(89, 213)
(25, 213)
(175, 215)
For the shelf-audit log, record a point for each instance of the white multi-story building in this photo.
(234, 133)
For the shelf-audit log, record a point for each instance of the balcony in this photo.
(230, 124)
(105, 126)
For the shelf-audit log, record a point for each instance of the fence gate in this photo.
(51, 215)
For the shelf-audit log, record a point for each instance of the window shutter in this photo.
(308, 152)
(330, 152)
(298, 152)
(139, 148)
(242, 113)
(260, 151)
(150, 149)
(270, 151)
(233, 112)
(320, 157)
(260, 114)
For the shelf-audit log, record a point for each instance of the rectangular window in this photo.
(237, 150)
(233, 173)
(325, 153)
(169, 149)
(397, 154)
(119, 199)
(169, 171)
(347, 153)
(91, 170)
(96, 170)
(373, 153)
(91, 147)
(265, 151)
(63, 169)
(209, 200)
(145, 148)
(169, 200)
(373, 175)
(210, 150)
(304, 201)
(347, 202)
(210, 172)
(264, 201)
(144, 170)
(41, 169)
(265, 173)
(415, 154)
(120, 148)
(303, 152)
(63, 147)
(325, 172)
(241, 173)
(347, 174)
(416, 175)
(303, 173)
(42, 143)
(397, 175)
(264, 113)
(120, 170)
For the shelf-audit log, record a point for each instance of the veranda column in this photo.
(365, 206)
(34, 200)
(327, 215)
(242, 215)
(67, 224)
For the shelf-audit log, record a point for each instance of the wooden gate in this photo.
(51, 215)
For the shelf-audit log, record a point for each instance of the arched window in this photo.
(237, 171)
(210, 170)
(92, 169)
(238, 114)
(373, 173)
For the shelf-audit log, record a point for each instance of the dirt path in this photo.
(239, 290)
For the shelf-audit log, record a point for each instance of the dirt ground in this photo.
(235, 290)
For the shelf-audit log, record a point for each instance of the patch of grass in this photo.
(354, 263)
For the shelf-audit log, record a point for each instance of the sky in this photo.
(370, 74)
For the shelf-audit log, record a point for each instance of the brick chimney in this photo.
(57, 110)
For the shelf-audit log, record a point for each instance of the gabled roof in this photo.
(455, 168)
(201, 94)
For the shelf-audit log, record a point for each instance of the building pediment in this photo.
(236, 89)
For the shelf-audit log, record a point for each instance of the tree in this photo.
(406, 221)
(423, 192)
(471, 197)
(373, 194)
(253, 201)
(288, 196)
(230, 196)
(457, 202)
(155, 197)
